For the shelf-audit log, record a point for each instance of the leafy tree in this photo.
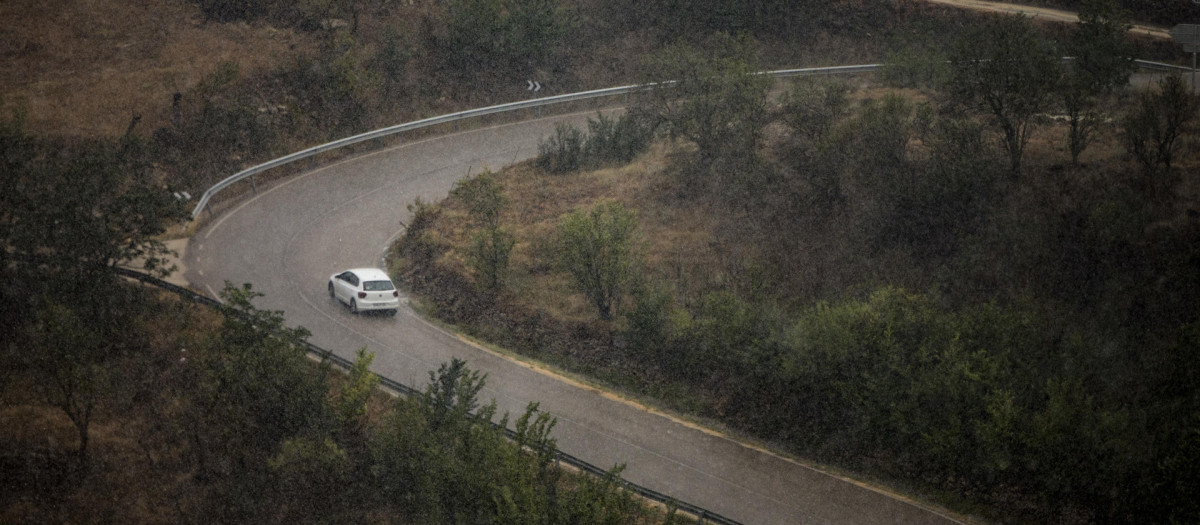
(881, 132)
(74, 211)
(312, 479)
(489, 256)
(107, 213)
(535, 28)
(1102, 62)
(933, 203)
(67, 357)
(1008, 70)
(393, 59)
(599, 248)
(491, 245)
(351, 403)
(649, 318)
(483, 196)
(812, 109)
(502, 35)
(599, 500)
(710, 97)
(440, 456)
(917, 55)
(255, 373)
(475, 33)
(1155, 128)
(452, 394)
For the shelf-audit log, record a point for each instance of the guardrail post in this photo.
(253, 185)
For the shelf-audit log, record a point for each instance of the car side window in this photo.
(353, 279)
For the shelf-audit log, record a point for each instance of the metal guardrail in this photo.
(475, 113)
(1159, 66)
(704, 515)
(538, 102)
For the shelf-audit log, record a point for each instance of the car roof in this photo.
(371, 274)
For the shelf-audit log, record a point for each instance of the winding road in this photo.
(289, 238)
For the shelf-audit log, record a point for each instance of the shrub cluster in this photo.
(985, 401)
(240, 420)
(607, 142)
(1025, 343)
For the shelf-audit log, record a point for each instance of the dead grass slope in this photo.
(83, 67)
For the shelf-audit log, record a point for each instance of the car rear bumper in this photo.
(378, 305)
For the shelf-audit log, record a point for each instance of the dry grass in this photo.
(137, 473)
(678, 233)
(83, 67)
(697, 243)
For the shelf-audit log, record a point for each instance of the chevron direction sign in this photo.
(1187, 35)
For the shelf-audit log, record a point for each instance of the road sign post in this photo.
(1188, 35)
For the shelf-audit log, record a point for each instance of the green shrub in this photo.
(607, 142)
(649, 318)
(502, 36)
(617, 141)
(562, 152)
(599, 248)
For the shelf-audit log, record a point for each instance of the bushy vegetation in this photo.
(491, 244)
(514, 36)
(715, 101)
(886, 300)
(221, 416)
(607, 142)
(896, 301)
(600, 248)
(239, 420)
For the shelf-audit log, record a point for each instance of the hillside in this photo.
(862, 273)
(1059, 309)
(85, 68)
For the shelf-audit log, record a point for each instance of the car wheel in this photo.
(353, 307)
(331, 295)
(392, 313)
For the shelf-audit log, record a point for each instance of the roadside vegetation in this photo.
(123, 403)
(201, 416)
(976, 282)
(853, 274)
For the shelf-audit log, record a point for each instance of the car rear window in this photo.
(377, 286)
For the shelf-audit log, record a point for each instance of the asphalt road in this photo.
(289, 238)
(1044, 13)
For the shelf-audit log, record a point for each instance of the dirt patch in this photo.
(77, 73)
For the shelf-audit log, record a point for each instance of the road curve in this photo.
(289, 238)
(1043, 13)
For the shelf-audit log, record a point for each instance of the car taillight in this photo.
(362, 295)
(395, 293)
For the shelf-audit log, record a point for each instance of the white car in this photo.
(365, 289)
